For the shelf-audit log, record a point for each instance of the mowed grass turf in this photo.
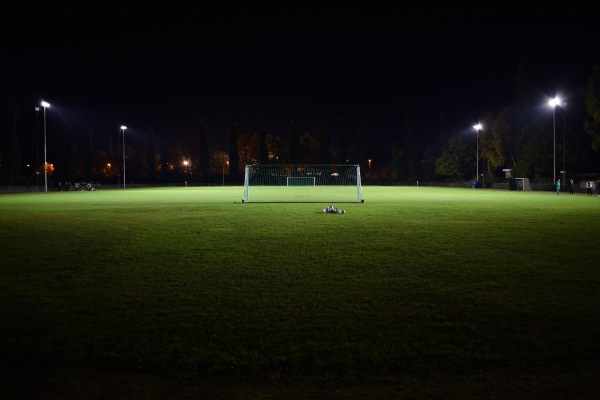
(420, 292)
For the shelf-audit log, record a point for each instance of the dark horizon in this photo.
(264, 67)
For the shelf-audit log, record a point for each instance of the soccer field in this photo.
(418, 292)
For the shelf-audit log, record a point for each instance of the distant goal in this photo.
(339, 183)
(519, 184)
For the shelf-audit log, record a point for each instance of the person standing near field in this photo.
(557, 186)
(571, 190)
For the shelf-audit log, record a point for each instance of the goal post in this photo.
(302, 183)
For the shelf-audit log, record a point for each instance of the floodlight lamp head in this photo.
(477, 127)
(123, 127)
(554, 102)
(45, 104)
(37, 109)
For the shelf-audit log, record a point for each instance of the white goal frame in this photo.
(302, 183)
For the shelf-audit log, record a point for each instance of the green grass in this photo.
(187, 292)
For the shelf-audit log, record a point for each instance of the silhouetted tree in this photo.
(324, 142)
(412, 144)
(219, 163)
(100, 161)
(449, 126)
(277, 149)
(294, 143)
(88, 151)
(308, 149)
(519, 114)
(592, 107)
(62, 154)
(458, 160)
(343, 151)
(234, 157)
(536, 155)
(362, 145)
(151, 155)
(203, 149)
(263, 151)
(165, 162)
(248, 149)
(492, 144)
(395, 162)
(10, 143)
(504, 125)
(72, 170)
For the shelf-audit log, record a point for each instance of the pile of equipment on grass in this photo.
(333, 210)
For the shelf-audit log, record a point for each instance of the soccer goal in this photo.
(302, 184)
(519, 184)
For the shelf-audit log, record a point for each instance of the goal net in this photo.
(519, 184)
(302, 184)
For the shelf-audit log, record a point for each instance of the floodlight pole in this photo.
(564, 141)
(477, 156)
(45, 105)
(37, 147)
(123, 127)
(553, 103)
(554, 121)
(478, 129)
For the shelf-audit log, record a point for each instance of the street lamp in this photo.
(186, 162)
(369, 166)
(45, 105)
(478, 129)
(123, 127)
(226, 162)
(553, 103)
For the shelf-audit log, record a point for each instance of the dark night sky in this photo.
(262, 67)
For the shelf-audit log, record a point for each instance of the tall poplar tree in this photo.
(72, 173)
(492, 146)
(62, 154)
(263, 151)
(324, 142)
(234, 156)
(362, 145)
(395, 162)
(412, 142)
(151, 155)
(343, 141)
(203, 149)
(12, 153)
(88, 156)
(165, 173)
(592, 107)
(294, 143)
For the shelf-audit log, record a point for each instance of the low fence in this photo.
(493, 185)
(23, 189)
